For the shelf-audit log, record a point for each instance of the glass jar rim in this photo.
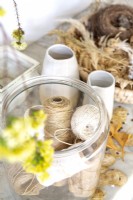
(75, 83)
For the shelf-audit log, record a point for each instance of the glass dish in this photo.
(84, 157)
(14, 67)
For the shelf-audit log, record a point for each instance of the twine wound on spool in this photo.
(85, 121)
(58, 124)
(84, 183)
(23, 183)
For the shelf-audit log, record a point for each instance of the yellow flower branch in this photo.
(18, 34)
(19, 144)
(2, 12)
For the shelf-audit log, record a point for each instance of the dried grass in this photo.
(111, 55)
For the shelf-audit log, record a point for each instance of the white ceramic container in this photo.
(60, 60)
(104, 84)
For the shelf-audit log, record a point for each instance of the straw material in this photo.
(124, 95)
(111, 54)
(112, 20)
(57, 126)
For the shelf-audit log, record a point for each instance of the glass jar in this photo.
(76, 168)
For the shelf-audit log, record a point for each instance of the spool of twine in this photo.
(85, 121)
(58, 124)
(84, 183)
(22, 182)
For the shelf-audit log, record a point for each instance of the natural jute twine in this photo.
(85, 121)
(23, 183)
(57, 127)
(84, 183)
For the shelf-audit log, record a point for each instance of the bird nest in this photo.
(103, 41)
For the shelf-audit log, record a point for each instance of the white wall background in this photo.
(39, 16)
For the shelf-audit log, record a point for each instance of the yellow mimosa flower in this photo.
(2, 12)
(18, 144)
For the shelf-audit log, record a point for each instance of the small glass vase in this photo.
(76, 168)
